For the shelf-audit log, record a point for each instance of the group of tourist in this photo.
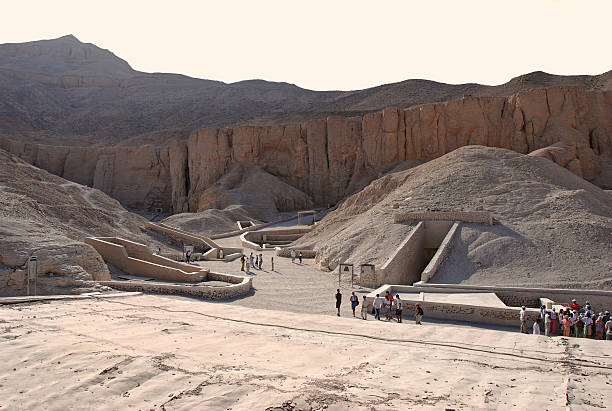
(572, 321)
(299, 256)
(389, 306)
(254, 261)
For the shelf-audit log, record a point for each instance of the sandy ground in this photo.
(157, 352)
(291, 286)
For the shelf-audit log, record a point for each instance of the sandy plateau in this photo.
(152, 352)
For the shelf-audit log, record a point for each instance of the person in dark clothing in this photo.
(418, 314)
(338, 300)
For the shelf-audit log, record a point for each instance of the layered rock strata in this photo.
(327, 158)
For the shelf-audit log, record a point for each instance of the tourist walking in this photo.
(553, 322)
(378, 302)
(388, 302)
(272, 262)
(399, 308)
(599, 327)
(220, 253)
(256, 262)
(364, 309)
(300, 257)
(418, 314)
(293, 256)
(248, 265)
(338, 300)
(242, 262)
(587, 325)
(536, 327)
(354, 302)
(567, 326)
(609, 330)
(523, 318)
(547, 324)
(260, 260)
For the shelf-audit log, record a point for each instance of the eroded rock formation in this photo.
(327, 158)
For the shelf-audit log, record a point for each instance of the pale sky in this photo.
(332, 45)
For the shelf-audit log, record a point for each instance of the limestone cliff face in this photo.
(326, 158)
(139, 177)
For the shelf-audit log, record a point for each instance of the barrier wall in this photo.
(157, 267)
(182, 236)
(202, 291)
(517, 296)
(405, 264)
(481, 217)
(443, 250)
(513, 297)
(502, 316)
(116, 251)
(286, 252)
(250, 239)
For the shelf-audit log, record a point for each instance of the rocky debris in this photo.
(552, 228)
(46, 216)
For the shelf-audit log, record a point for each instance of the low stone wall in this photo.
(481, 217)
(252, 228)
(286, 252)
(251, 239)
(516, 296)
(405, 264)
(154, 266)
(432, 268)
(183, 237)
(229, 253)
(244, 224)
(503, 316)
(203, 291)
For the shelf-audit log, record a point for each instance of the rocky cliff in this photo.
(329, 158)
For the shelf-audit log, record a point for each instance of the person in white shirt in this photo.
(587, 326)
(364, 309)
(293, 256)
(399, 308)
(547, 322)
(536, 327)
(523, 317)
(378, 302)
(609, 330)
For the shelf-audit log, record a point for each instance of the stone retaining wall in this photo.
(405, 264)
(152, 266)
(182, 237)
(202, 291)
(286, 252)
(251, 239)
(481, 217)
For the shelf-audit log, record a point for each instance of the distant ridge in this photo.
(63, 91)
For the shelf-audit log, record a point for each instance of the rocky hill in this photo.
(331, 158)
(44, 215)
(552, 228)
(64, 92)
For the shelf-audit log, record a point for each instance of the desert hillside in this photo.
(63, 91)
(551, 228)
(44, 215)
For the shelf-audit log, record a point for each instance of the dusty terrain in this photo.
(552, 228)
(44, 215)
(151, 352)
